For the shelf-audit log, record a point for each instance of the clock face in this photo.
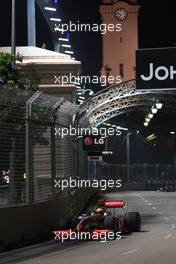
(121, 14)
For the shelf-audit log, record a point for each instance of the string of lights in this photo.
(50, 9)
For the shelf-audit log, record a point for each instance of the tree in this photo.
(14, 77)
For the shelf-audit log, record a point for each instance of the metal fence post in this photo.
(12, 193)
(53, 145)
(53, 158)
(29, 149)
(128, 157)
(144, 172)
(156, 172)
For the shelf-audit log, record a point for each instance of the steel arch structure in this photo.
(119, 99)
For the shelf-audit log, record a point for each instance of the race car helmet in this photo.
(100, 211)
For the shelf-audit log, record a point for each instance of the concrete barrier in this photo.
(25, 224)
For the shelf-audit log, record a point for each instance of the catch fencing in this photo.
(33, 154)
(150, 176)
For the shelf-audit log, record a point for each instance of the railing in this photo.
(152, 176)
(32, 154)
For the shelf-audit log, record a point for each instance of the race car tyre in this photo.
(65, 223)
(133, 222)
(109, 222)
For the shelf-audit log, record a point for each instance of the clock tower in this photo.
(119, 47)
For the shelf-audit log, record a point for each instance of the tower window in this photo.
(121, 69)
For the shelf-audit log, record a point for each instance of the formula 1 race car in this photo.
(167, 188)
(117, 215)
(109, 216)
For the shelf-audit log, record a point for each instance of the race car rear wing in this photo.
(116, 203)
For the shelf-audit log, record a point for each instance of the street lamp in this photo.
(63, 39)
(150, 115)
(55, 19)
(154, 110)
(88, 90)
(69, 52)
(66, 45)
(81, 92)
(159, 105)
(52, 9)
(13, 44)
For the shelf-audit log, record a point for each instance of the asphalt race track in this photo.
(155, 244)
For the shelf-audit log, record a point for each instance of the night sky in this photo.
(156, 27)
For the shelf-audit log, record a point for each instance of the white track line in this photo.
(168, 236)
(139, 195)
(154, 208)
(130, 252)
(149, 204)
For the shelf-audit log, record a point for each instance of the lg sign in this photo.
(156, 69)
(88, 141)
(93, 143)
(93, 140)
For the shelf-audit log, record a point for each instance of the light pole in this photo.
(128, 154)
(127, 139)
(13, 35)
(31, 22)
(128, 157)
